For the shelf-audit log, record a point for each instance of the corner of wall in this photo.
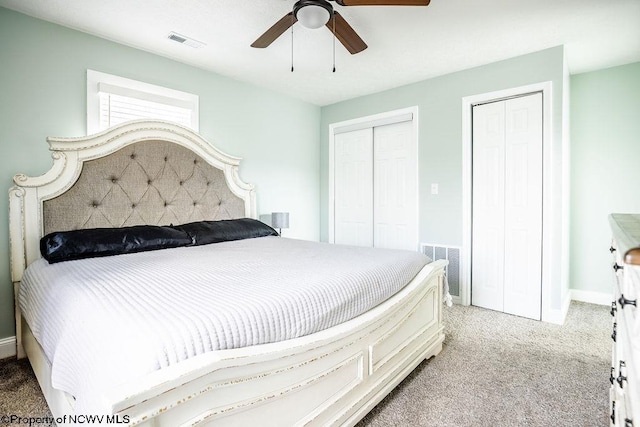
(557, 316)
(566, 176)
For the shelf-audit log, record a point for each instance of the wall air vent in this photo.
(185, 40)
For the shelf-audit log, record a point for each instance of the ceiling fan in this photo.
(316, 13)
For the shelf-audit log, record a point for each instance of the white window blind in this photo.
(112, 100)
(116, 109)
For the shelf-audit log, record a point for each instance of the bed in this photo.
(154, 174)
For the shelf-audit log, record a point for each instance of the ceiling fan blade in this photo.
(275, 31)
(346, 34)
(383, 2)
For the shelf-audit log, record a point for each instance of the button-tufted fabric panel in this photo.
(149, 182)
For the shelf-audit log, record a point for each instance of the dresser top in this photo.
(626, 231)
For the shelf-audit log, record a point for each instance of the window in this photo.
(112, 100)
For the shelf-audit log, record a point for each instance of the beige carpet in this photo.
(19, 392)
(502, 370)
(494, 370)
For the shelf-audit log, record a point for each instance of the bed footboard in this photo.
(333, 377)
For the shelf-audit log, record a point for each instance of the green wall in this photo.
(605, 166)
(439, 101)
(43, 93)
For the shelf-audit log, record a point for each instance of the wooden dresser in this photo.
(625, 366)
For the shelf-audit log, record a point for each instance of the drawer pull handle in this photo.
(628, 422)
(617, 267)
(615, 332)
(613, 412)
(611, 377)
(623, 301)
(621, 378)
(613, 309)
(612, 249)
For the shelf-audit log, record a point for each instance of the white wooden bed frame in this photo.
(333, 377)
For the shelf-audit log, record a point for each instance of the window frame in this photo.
(97, 80)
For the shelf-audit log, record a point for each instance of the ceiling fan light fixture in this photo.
(313, 13)
(313, 16)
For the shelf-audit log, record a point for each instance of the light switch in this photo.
(434, 188)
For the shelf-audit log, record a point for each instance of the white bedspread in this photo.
(103, 321)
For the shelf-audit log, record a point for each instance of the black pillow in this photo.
(98, 242)
(205, 232)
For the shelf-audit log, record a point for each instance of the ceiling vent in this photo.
(185, 40)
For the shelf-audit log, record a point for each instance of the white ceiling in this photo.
(406, 44)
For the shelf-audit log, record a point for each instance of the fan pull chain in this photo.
(334, 42)
(292, 48)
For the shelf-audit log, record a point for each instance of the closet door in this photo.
(375, 185)
(507, 206)
(353, 193)
(523, 207)
(395, 187)
(487, 249)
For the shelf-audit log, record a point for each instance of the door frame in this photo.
(467, 185)
(381, 119)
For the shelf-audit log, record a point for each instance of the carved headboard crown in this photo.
(141, 172)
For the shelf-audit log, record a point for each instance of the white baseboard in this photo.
(557, 316)
(7, 347)
(592, 297)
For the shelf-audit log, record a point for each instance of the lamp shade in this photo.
(280, 219)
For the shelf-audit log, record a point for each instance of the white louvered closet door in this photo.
(375, 187)
(507, 206)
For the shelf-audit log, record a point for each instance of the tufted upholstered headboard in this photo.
(149, 182)
(141, 172)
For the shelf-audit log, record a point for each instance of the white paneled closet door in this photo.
(487, 265)
(376, 187)
(353, 217)
(507, 206)
(395, 187)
